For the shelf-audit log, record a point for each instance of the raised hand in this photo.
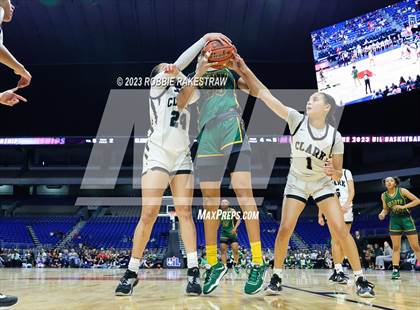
(204, 64)
(216, 36)
(170, 69)
(328, 168)
(381, 216)
(25, 77)
(9, 98)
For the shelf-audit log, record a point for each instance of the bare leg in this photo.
(290, 212)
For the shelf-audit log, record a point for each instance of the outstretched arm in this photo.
(9, 60)
(257, 88)
(189, 55)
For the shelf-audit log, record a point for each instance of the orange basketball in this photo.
(221, 52)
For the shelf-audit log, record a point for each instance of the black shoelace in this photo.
(343, 275)
(365, 283)
(194, 280)
(208, 274)
(274, 280)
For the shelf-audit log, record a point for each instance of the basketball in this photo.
(221, 52)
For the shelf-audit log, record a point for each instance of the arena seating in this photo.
(14, 230)
(117, 232)
(49, 229)
(347, 35)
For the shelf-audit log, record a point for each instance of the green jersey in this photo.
(396, 200)
(217, 95)
(228, 220)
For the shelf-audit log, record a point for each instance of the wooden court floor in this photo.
(164, 289)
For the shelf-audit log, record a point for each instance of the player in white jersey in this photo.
(9, 97)
(345, 193)
(317, 157)
(371, 57)
(6, 16)
(167, 161)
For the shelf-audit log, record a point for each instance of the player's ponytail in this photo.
(155, 70)
(333, 107)
(396, 180)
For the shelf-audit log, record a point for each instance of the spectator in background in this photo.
(367, 83)
(16, 261)
(386, 91)
(378, 251)
(386, 257)
(377, 95)
(355, 75)
(396, 90)
(360, 243)
(74, 260)
(369, 257)
(403, 84)
(417, 82)
(328, 261)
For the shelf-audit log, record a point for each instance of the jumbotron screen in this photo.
(370, 56)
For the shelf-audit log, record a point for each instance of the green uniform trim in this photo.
(227, 223)
(215, 139)
(400, 221)
(216, 98)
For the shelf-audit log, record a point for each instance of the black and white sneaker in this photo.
(364, 288)
(274, 288)
(333, 277)
(127, 283)
(193, 286)
(7, 300)
(341, 278)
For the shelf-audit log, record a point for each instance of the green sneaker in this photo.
(395, 275)
(236, 269)
(255, 281)
(213, 277)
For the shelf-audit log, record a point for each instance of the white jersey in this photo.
(169, 125)
(311, 147)
(342, 186)
(1, 36)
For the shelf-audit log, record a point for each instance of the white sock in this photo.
(192, 260)
(358, 274)
(278, 271)
(134, 264)
(338, 268)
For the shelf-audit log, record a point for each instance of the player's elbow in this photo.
(181, 104)
(182, 101)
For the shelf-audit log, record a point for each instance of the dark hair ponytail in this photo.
(396, 180)
(333, 107)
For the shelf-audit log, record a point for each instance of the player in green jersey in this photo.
(397, 202)
(223, 146)
(229, 221)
